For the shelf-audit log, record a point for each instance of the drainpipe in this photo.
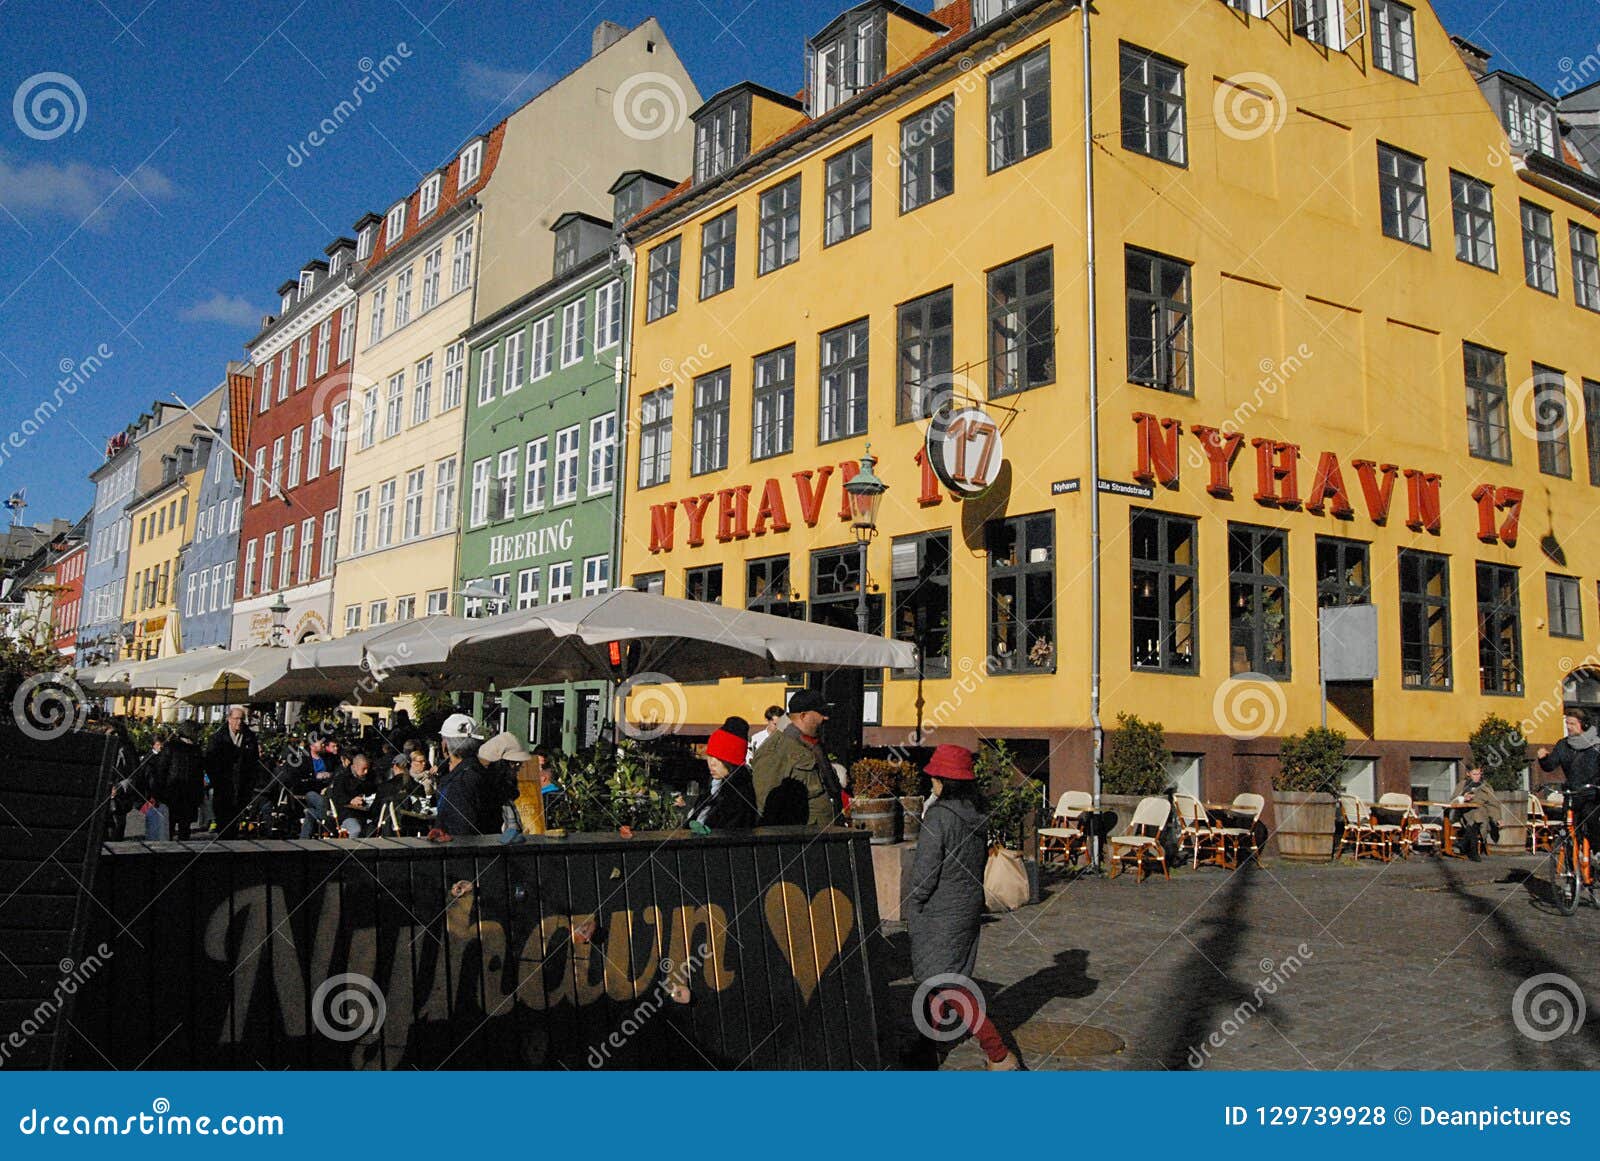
(623, 262)
(1097, 728)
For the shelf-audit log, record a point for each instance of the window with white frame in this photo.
(471, 165)
(249, 568)
(432, 265)
(314, 450)
(352, 618)
(275, 477)
(258, 475)
(394, 405)
(297, 439)
(411, 522)
(269, 557)
(405, 608)
(602, 454)
(596, 575)
(608, 315)
(347, 332)
(1321, 22)
(513, 360)
(527, 588)
(284, 382)
(379, 300)
(461, 261)
(573, 323)
(286, 567)
(336, 263)
(364, 242)
(377, 614)
(540, 356)
(266, 387)
(486, 372)
(361, 521)
(479, 513)
(369, 417)
(383, 531)
(505, 506)
(535, 473)
(422, 391)
(324, 346)
(394, 224)
(438, 602)
(565, 488)
(308, 544)
(455, 375)
(330, 541)
(428, 198)
(402, 298)
(1530, 123)
(1394, 44)
(560, 578)
(302, 364)
(338, 432)
(444, 494)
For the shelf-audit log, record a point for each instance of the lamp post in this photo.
(280, 615)
(866, 497)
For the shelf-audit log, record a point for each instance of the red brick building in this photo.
(69, 566)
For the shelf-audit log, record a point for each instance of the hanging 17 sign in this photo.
(965, 451)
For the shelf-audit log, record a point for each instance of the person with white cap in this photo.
(467, 802)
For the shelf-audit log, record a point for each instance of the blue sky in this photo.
(159, 229)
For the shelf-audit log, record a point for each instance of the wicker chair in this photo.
(1362, 831)
(1236, 838)
(1143, 840)
(1413, 831)
(1195, 832)
(1064, 838)
(1540, 827)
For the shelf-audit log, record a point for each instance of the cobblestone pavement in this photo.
(1410, 965)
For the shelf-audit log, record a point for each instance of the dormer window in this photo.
(983, 11)
(847, 59)
(288, 302)
(1530, 123)
(722, 138)
(394, 225)
(471, 165)
(428, 199)
(629, 201)
(308, 280)
(336, 263)
(566, 249)
(364, 244)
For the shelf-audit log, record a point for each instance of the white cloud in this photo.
(84, 194)
(223, 308)
(487, 82)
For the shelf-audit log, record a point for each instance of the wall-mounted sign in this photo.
(965, 451)
(545, 541)
(1118, 488)
(1065, 487)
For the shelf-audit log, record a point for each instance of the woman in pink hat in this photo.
(945, 906)
(730, 801)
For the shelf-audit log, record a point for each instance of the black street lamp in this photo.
(280, 616)
(866, 498)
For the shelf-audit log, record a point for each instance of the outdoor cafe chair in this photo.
(1361, 830)
(1540, 828)
(1411, 825)
(1064, 837)
(1196, 833)
(1143, 840)
(1248, 808)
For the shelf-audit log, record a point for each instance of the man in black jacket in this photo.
(1577, 756)
(467, 802)
(232, 762)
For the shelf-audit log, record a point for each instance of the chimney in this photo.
(606, 33)
(1476, 59)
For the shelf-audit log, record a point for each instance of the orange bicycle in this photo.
(1570, 869)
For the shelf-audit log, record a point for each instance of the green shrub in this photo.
(1009, 797)
(1311, 762)
(1500, 750)
(1135, 759)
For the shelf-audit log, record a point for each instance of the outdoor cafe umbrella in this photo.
(233, 676)
(374, 662)
(119, 678)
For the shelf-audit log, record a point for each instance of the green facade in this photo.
(541, 474)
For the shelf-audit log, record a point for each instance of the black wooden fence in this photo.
(392, 953)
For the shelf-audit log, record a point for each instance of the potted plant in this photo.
(1501, 752)
(1305, 790)
(1011, 806)
(875, 799)
(1133, 766)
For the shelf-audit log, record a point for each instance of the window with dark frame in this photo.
(655, 437)
(767, 590)
(1488, 409)
(926, 339)
(928, 155)
(1585, 266)
(772, 404)
(1022, 325)
(1403, 194)
(662, 295)
(718, 254)
(1153, 106)
(1424, 620)
(780, 226)
(703, 584)
(1472, 205)
(848, 193)
(1164, 606)
(650, 582)
(1591, 428)
(842, 403)
(1344, 573)
(1022, 598)
(1258, 600)
(709, 452)
(1539, 248)
(1551, 421)
(1563, 594)
(921, 590)
(1019, 110)
(1499, 629)
(721, 137)
(1160, 337)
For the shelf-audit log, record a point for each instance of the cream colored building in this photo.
(473, 236)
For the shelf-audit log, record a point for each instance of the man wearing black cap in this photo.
(794, 781)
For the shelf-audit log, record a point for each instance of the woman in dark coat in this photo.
(945, 907)
(178, 780)
(730, 802)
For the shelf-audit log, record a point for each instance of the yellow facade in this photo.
(1310, 328)
(162, 524)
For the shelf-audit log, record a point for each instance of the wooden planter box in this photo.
(1304, 825)
(1513, 824)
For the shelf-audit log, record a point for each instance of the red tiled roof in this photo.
(241, 391)
(449, 195)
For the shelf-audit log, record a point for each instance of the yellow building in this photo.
(1329, 347)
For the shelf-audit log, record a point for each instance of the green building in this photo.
(540, 516)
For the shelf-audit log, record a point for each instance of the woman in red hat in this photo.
(730, 803)
(945, 907)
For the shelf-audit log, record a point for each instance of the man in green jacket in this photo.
(794, 781)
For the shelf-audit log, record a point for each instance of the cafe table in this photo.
(1448, 813)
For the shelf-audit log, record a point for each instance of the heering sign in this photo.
(552, 538)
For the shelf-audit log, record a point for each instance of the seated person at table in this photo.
(354, 797)
(1484, 816)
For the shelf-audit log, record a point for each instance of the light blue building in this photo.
(205, 587)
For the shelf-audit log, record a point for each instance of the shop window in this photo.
(921, 588)
(1022, 604)
(703, 584)
(1258, 599)
(1344, 574)
(1163, 609)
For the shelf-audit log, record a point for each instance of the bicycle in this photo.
(1570, 868)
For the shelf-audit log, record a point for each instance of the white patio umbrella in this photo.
(406, 657)
(163, 673)
(233, 676)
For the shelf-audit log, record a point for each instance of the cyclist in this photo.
(1577, 756)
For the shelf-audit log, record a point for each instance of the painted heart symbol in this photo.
(809, 932)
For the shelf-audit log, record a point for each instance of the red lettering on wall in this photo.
(848, 471)
(771, 509)
(1277, 473)
(661, 526)
(1158, 449)
(1492, 500)
(1422, 501)
(1483, 496)
(733, 513)
(811, 497)
(930, 494)
(694, 510)
(1378, 496)
(1327, 486)
(1221, 450)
